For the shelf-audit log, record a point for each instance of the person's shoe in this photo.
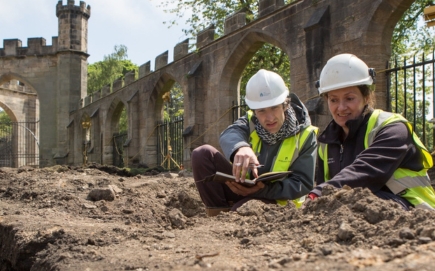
(214, 211)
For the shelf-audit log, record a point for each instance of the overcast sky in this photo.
(137, 24)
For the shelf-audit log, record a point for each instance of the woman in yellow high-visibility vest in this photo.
(277, 134)
(367, 147)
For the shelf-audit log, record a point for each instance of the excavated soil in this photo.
(97, 218)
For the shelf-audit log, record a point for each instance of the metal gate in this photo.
(170, 143)
(19, 145)
(118, 149)
(411, 87)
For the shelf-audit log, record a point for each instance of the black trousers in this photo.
(206, 160)
(387, 195)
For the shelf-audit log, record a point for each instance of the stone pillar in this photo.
(71, 68)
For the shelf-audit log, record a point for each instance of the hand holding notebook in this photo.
(265, 177)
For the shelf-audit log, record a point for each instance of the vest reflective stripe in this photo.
(414, 186)
(398, 184)
(288, 152)
(381, 119)
(323, 154)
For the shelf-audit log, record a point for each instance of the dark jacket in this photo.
(301, 181)
(350, 164)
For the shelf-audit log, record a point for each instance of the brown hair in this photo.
(367, 93)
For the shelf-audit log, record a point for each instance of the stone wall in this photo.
(309, 32)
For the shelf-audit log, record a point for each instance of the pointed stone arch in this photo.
(236, 62)
(163, 85)
(156, 102)
(242, 53)
(382, 19)
(11, 75)
(112, 127)
(85, 136)
(8, 111)
(21, 99)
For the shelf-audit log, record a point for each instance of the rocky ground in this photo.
(98, 218)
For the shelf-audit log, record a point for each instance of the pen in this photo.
(255, 166)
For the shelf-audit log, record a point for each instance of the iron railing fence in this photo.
(239, 109)
(410, 80)
(170, 143)
(118, 149)
(19, 144)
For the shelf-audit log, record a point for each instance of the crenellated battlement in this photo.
(35, 46)
(72, 34)
(233, 23)
(206, 36)
(73, 26)
(82, 9)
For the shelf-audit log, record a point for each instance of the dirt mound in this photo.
(64, 218)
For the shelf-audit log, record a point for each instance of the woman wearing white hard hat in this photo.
(367, 147)
(276, 134)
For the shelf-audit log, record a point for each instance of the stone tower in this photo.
(71, 64)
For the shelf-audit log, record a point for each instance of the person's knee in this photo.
(199, 153)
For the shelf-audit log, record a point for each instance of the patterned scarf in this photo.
(289, 128)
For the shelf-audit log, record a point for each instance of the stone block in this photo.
(96, 96)
(145, 69)
(161, 60)
(181, 49)
(205, 36)
(129, 78)
(11, 46)
(268, 6)
(117, 84)
(87, 100)
(35, 45)
(235, 22)
(105, 91)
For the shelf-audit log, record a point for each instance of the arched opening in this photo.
(256, 50)
(170, 128)
(6, 145)
(19, 121)
(411, 72)
(86, 137)
(268, 57)
(119, 132)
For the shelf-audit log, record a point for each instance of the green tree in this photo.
(412, 43)
(114, 66)
(410, 33)
(103, 73)
(270, 58)
(4, 117)
(174, 105)
(204, 13)
(5, 124)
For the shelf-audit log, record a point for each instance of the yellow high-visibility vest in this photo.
(287, 154)
(414, 186)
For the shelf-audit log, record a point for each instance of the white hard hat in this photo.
(344, 70)
(265, 89)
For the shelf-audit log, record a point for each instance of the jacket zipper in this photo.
(341, 153)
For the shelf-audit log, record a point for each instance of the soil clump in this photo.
(100, 218)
